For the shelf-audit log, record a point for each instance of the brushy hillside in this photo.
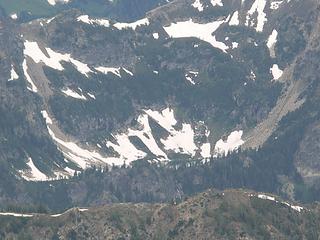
(233, 214)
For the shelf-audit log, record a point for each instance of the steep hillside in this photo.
(209, 215)
(181, 88)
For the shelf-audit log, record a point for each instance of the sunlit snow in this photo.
(133, 25)
(272, 40)
(155, 35)
(276, 71)
(106, 70)
(216, 3)
(198, 5)
(88, 20)
(54, 2)
(232, 143)
(234, 21)
(28, 78)
(201, 31)
(13, 74)
(257, 8)
(53, 59)
(33, 173)
(69, 92)
(179, 141)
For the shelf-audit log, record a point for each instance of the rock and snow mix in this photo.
(53, 59)
(201, 31)
(128, 151)
(88, 20)
(257, 8)
(190, 76)
(33, 173)
(232, 143)
(276, 72)
(82, 157)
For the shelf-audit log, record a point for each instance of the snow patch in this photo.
(53, 59)
(92, 95)
(276, 71)
(181, 141)
(13, 74)
(133, 25)
(198, 5)
(14, 16)
(155, 35)
(69, 92)
(106, 70)
(266, 197)
(272, 40)
(28, 78)
(86, 19)
(205, 150)
(54, 2)
(15, 214)
(203, 32)
(275, 5)
(232, 143)
(235, 45)
(257, 7)
(216, 3)
(33, 173)
(234, 21)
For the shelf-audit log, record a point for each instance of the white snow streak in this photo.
(69, 92)
(28, 78)
(106, 70)
(133, 25)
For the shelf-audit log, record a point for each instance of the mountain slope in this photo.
(191, 81)
(209, 215)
